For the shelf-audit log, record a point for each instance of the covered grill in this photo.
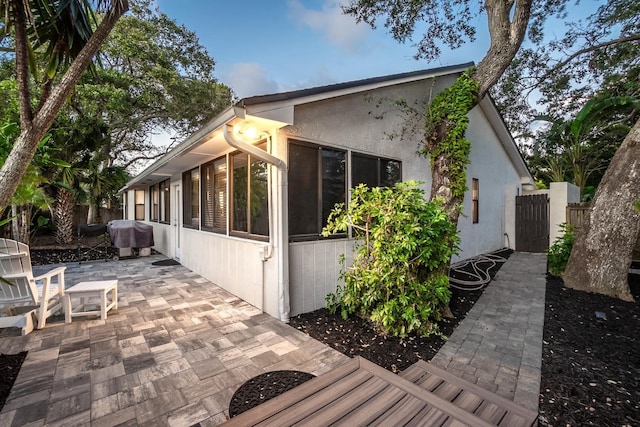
(128, 234)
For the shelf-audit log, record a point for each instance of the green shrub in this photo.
(398, 278)
(558, 253)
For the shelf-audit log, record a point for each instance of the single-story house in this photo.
(243, 200)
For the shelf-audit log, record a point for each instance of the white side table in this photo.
(86, 290)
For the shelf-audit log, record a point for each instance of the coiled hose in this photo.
(473, 274)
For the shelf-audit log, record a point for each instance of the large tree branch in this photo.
(22, 64)
(506, 38)
(588, 49)
(141, 157)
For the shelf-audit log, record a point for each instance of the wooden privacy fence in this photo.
(532, 223)
(577, 214)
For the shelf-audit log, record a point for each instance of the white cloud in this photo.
(249, 79)
(336, 27)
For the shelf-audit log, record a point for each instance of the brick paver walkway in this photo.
(499, 344)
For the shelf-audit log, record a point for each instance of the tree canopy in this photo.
(22, 19)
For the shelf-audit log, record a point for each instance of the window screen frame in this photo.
(250, 232)
(211, 183)
(154, 203)
(188, 199)
(318, 187)
(139, 210)
(164, 193)
(379, 162)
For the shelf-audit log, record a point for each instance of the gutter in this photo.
(281, 236)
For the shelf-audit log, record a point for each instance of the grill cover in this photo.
(130, 234)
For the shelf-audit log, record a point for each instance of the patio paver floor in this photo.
(172, 354)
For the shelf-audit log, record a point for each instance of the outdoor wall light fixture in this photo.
(248, 132)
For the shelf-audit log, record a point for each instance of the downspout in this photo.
(281, 240)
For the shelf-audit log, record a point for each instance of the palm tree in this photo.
(578, 148)
(101, 185)
(64, 29)
(78, 139)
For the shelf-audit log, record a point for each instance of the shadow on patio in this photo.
(173, 353)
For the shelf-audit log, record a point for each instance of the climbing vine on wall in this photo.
(445, 127)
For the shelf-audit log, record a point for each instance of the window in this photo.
(317, 181)
(154, 200)
(374, 171)
(474, 200)
(214, 195)
(165, 202)
(124, 206)
(249, 194)
(139, 204)
(191, 198)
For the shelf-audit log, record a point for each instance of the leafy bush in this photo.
(398, 278)
(558, 253)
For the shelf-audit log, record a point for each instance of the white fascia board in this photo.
(282, 114)
(506, 139)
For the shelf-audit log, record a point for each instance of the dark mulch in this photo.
(590, 358)
(9, 367)
(356, 337)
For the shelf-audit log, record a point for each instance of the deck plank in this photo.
(366, 414)
(353, 399)
(485, 410)
(402, 412)
(299, 411)
(297, 394)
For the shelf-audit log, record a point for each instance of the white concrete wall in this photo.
(231, 263)
(560, 195)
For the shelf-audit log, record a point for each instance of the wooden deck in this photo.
(362, 393)
(490, 407)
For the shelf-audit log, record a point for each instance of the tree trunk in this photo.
(507, 29)
(32, 131)
(92, 217)
(21, 223)
(62, 212)
(602, 252)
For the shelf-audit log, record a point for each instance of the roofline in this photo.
(374, 81)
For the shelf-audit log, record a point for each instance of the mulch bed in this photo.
(357, 337)
(9, 367)
(590, 358)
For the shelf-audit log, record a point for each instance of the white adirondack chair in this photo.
(22, 294)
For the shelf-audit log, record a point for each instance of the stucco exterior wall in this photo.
(498, 185)
(356, 123)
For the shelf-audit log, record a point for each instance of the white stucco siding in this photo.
(355, 124)
(498, 180)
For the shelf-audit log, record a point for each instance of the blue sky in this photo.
(268, 46)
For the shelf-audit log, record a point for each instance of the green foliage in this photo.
(396, 278)
(446, 126)
(558, 253)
